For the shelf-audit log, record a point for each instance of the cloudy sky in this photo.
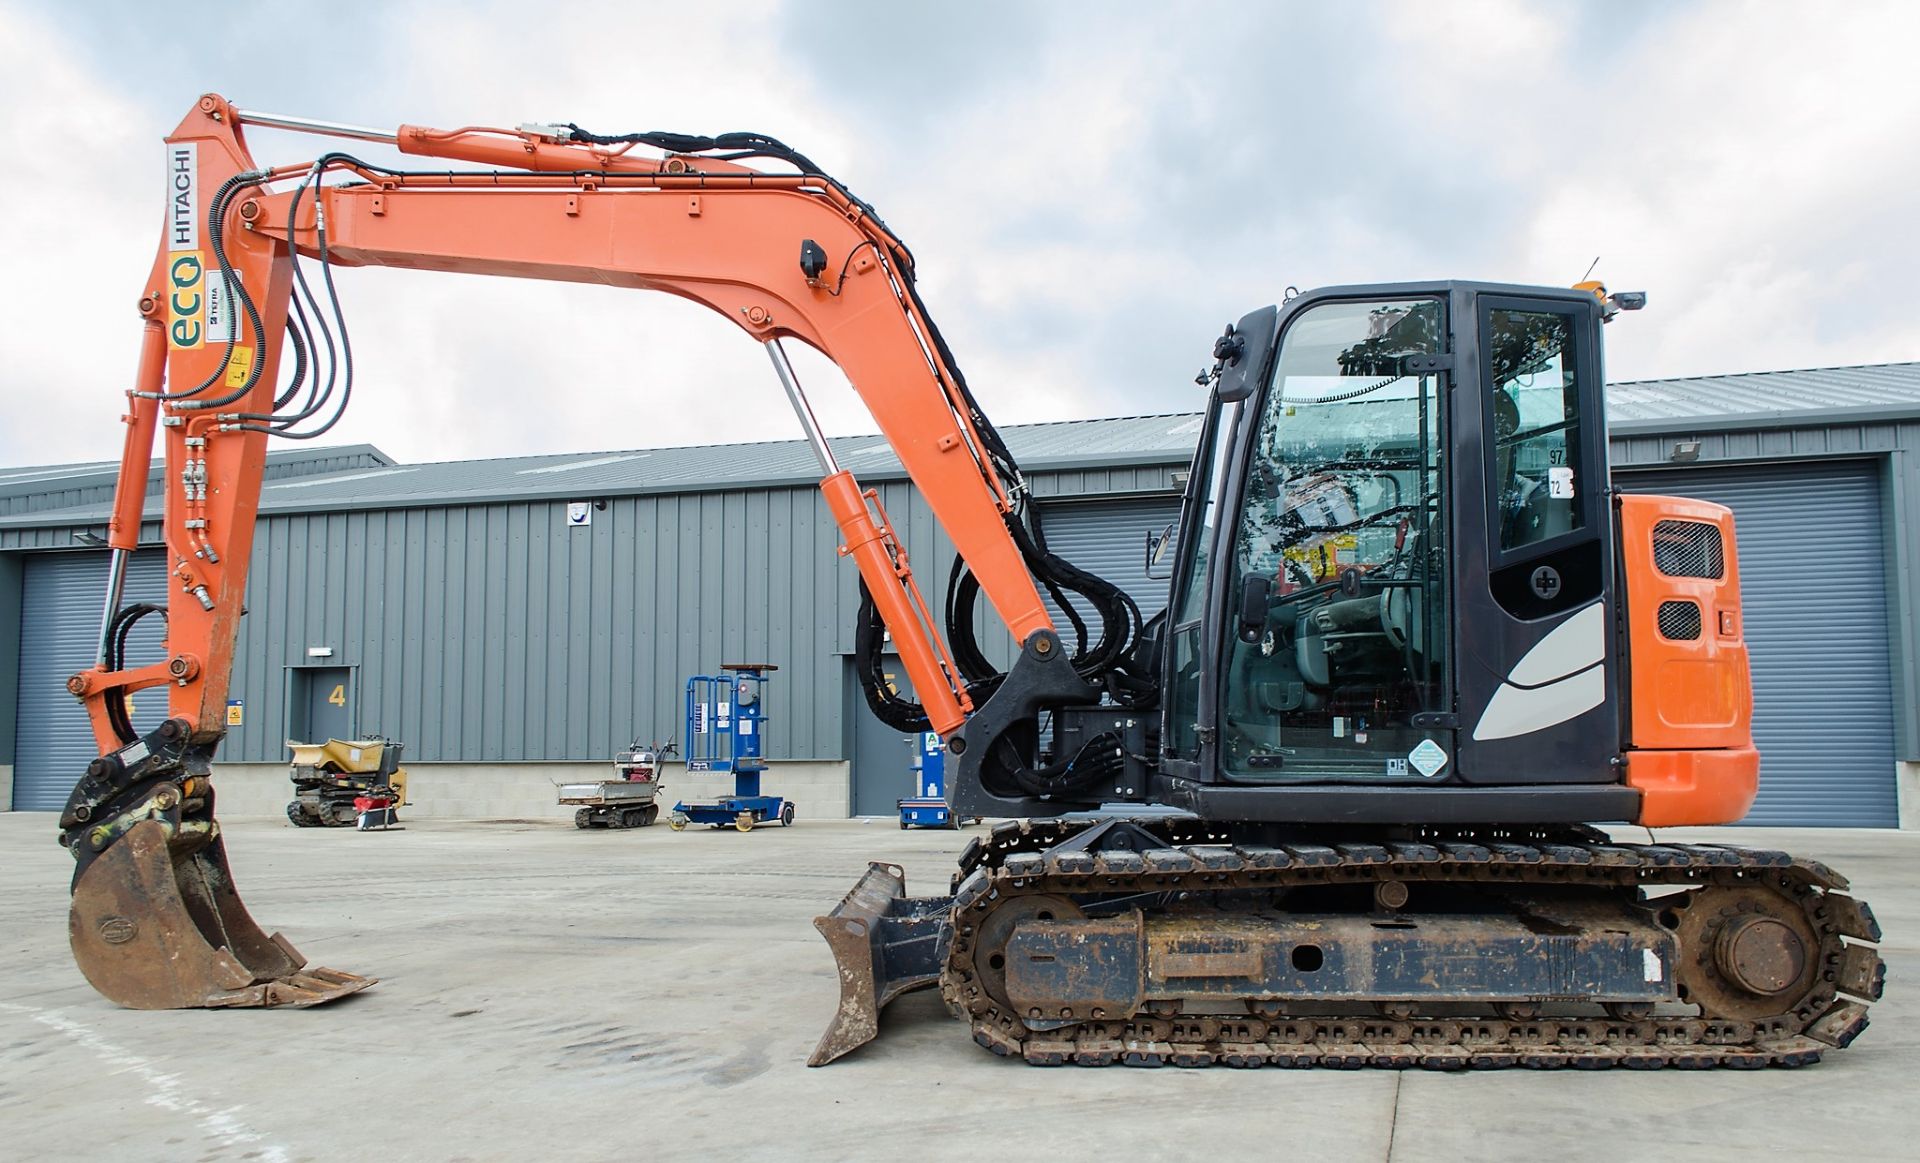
(1092, 189)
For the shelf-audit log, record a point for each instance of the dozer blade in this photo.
(884, 943)
(156, 924)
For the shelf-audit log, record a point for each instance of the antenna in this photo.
(1595, 263)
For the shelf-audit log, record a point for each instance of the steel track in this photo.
(1014, 860)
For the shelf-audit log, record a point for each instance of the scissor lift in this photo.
(726, 720)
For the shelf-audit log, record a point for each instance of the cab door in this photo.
(1538, 658)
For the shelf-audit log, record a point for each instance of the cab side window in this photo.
(1536, 427)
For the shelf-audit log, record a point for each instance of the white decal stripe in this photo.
(1521, 710)
(1573, 645)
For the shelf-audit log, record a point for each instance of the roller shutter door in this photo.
(1108, 538)
(61, 595)
(1814, 599)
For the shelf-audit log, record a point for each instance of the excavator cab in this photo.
(1339, 653)
(1395, 585)
(1407, 516)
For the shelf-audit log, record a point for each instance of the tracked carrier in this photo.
(1416, 647)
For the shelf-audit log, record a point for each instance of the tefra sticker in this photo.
(219, 307)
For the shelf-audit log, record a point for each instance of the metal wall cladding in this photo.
(60, 603)
(497, 633)
(55, 499)
(10, 571)
(1813, 571)
(1108, 538)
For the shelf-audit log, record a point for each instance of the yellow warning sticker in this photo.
(236, 712)
(239, 363)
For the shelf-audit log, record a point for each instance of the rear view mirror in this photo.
(1256, 594)
(1157, 546)
(1240, 356)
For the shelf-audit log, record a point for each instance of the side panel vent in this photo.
(1679, 621)
(1689, 549)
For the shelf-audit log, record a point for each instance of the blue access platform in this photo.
(927, 806)
(726, 721)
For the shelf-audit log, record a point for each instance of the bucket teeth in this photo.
(156, 925)
(884, 944)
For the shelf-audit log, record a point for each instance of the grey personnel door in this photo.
(882, 767)
(321, 704)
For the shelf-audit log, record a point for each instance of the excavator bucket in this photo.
(156, 924)
(884, 944)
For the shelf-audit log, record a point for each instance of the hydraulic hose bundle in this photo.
(118, 630)
(1104, 654)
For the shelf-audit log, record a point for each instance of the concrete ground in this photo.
(549, 995)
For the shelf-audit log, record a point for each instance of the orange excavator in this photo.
(1335, 807)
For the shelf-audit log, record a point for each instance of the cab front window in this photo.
(1340, 550)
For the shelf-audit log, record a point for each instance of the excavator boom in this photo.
(784, 256)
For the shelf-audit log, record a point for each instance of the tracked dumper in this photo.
(627, 800)
(328, 777)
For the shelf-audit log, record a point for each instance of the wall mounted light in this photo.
(319, 652)
(1684, 451)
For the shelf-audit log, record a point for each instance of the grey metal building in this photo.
(462, 608)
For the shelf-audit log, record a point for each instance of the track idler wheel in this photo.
(998, 929)
(156, 924)
(1750, 955)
